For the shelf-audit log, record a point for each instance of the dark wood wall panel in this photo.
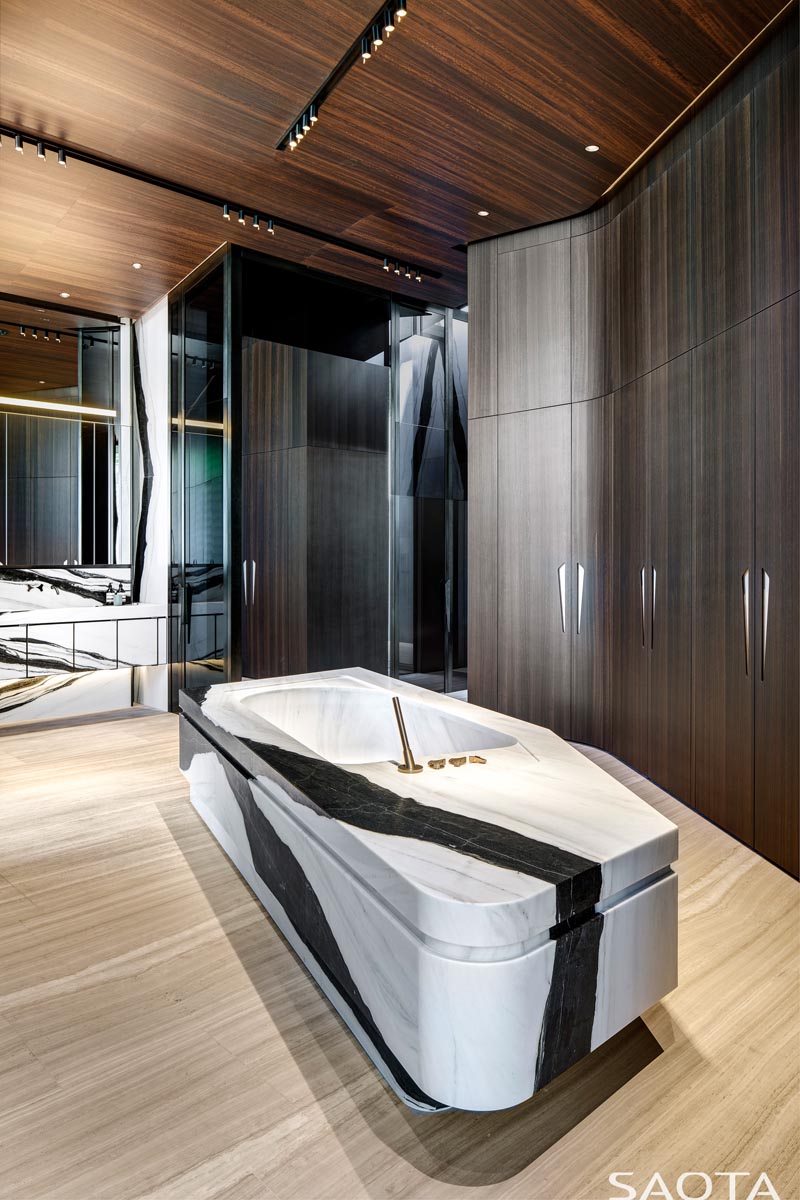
(274, 380)
(723, 233)
(722, 677)
(592, 476)
(684, 448)
(274, 496)
(775, 195)
(591, 315)
(630, 576)
(533, 662)
(669, 471)
(482, 559)
(777, 626)
(347, 552)
(533, 335)
(482, 349)
(665, 267)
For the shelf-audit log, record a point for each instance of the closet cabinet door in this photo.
(669, 468)
(723, 649)
(252, 508)
(630, 647)
(777, 581)
(533, 327)
(534, 579)
(590, 566)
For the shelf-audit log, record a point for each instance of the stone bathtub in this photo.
(479, 927)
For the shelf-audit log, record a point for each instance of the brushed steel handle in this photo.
(244, 580)
(653, 609)
(581, 574)
(253, 581)
(746, 618)
(764, 618)
(644, 607)
(562, 595)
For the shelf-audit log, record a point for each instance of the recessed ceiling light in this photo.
(64, 295)
(483, 212)
(41, 381)
(591, 149)
(136, 266)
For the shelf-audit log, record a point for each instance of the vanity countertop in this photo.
(66, 615)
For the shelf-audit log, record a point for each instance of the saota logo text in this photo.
(696, 1185)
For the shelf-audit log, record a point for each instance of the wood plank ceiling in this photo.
(472, 104)
(29, 364)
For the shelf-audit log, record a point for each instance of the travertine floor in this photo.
(157, 1038)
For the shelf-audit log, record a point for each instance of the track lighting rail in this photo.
(19, 140)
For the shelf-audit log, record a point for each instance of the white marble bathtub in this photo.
(478, 927)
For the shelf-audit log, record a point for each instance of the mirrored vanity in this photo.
(67, 458)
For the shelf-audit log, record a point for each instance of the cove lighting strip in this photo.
(196, 423)
(82, 410)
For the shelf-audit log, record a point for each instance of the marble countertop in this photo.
(66, 615)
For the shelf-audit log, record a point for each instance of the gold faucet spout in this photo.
(408, 767)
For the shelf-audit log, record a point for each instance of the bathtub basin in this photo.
(346, 723)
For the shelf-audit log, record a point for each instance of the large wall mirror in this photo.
(65, 448)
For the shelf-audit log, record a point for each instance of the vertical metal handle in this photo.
(562, 595)
(764, 618)
(746, 618)
(252, 581)
(581, 574)
(244, 580)
(653, 609)
(644, 606)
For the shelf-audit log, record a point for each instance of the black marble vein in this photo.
(566, 1033)
(140, 407)
(280, 871)
(349, 797)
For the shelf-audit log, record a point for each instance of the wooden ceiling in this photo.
(472, 104)
(29, 364)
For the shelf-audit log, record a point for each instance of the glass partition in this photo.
(429, 497)
(198, 636)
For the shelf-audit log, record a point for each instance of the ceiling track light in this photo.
(34, 335)
(270, 226)
(18, 143)
(58, 339)
(240, 218)
(256, 223)
(386, 264)
(226, 212)
(22, 331)
(62, 158)
(40, 151)
(378, 31)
